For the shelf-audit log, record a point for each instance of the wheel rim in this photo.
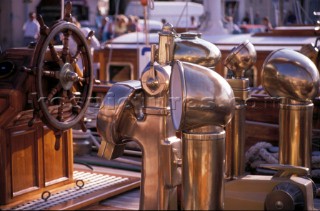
(63, 93)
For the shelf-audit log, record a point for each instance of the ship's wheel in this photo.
(63, 85)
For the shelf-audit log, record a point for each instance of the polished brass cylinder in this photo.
(295, 126)
(166, 44)
(235, 142)
(235, 139)
(240, 59)
(203, 170)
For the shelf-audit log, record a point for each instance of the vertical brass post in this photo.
(240, 59)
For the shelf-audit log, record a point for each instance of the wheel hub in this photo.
(67, 76)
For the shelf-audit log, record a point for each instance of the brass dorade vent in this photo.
(97, 185)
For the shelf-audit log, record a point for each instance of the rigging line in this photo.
(137, 43)
(187, 15)
(181, 15)
(304, 12)
(114, 21)
(145, 12)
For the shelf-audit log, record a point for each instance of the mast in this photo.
(213, 24)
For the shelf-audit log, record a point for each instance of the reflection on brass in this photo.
(213, 101)
(287, 73)
(240, 59)
(189, 47)
(312, 52)
(295, 133)
(295, 79)
(201, 112)
(166, 44)
(138, 111)
(288, 188)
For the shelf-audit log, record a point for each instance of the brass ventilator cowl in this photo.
(312, 52)
(189, 47)
(201, 103)
(240, 59)
(293, 77)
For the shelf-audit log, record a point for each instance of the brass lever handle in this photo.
(286, 170)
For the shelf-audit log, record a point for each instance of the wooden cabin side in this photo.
(122, 58)
(29, 163)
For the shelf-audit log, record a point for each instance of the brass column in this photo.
(295, 131)
(203, 169)
(294, 78)
(201, 112)
(235, 138)
(240, 59)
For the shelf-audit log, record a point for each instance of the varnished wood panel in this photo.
(30, 164)
(4, 103)
(56, 163)
(24, 159)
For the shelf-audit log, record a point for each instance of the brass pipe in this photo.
(240, 59)
(235, 142)
(295, 133)
(203, 170)
(201, 113)
(293, 77)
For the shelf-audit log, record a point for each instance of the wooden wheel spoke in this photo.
(67, 11)
(75, 107)
(60, 108)
(65, 49)
(53, 92)
(83, 125)
(82, 80)
(75, 59)
(55, 55)
(44, 29)
(50, 73)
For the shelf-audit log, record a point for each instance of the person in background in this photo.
(106, 29)
(246, 19)
(163, 21)
(231, 27)
(133, 25)
(257, 19)
(291, 18)
(193, 22)
(120, 26)
(267, 24)
(31, 29)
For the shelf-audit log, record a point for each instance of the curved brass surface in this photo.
(310, 51)
(199, 97)
(166, 44)
(158, 83)
(189, 47)
(203, 170)
(241, 58)
(112, 109)
(295, 133)
(288, 73)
